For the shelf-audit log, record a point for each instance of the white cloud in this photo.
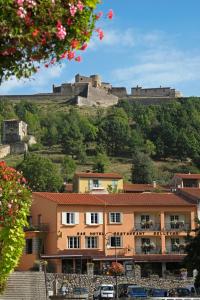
(38, 82)
(159, 66)
(114, 37)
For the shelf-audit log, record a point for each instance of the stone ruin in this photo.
(15, 138)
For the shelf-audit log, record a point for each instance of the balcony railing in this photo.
(178, 226)
(148, 250)
(175, 250)
(147, 226)
(39, 227)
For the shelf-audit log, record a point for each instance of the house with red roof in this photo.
(71, 230)
(182, 180)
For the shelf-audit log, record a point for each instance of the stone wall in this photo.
(55, 281)
(120, 92)
(154, 92)
(4, 150)
(18, 148)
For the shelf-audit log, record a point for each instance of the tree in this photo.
(43, 31)
(143, 170)
(114, 131)
(192, 260)
(14, 208)
(41, 173)
(101, 162)
(68, 167)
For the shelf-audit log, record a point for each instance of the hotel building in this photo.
(72, 230)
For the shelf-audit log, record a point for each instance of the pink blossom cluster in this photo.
(22, 12)
(74, 8)
(61, 31)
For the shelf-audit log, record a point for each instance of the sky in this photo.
(149, 43)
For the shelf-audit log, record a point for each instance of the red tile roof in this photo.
(194, 192)
(98, 175)
(188, 176)
(133, 187)
(124, 199)
(70, 198)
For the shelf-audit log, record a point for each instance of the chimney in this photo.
(154, 184)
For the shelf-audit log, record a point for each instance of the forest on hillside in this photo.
(128, 130)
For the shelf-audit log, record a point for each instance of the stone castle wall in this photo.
(4, 150)
(120, 92)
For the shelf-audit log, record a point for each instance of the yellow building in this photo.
(97, 182)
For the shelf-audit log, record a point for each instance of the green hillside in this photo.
(166, 133)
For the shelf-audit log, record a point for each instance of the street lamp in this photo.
(116, 281)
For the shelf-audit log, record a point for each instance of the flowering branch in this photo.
(14, 208)
(47, 32)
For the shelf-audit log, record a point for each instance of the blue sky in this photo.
(148, 43)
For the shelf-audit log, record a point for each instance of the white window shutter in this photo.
(100, 217)
(88, 218)
(64, 218)
(109, 217)
(90, 184)
(76, 218)
(121, 217)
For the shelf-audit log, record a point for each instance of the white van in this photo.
(104, 291)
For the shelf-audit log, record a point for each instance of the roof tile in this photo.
(122, 199)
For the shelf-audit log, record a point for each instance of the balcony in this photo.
(42, 227)
(147, 226)
(178, 226)
(176, 249)
(148, 250)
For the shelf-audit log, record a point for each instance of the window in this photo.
(73, 242)
(90, 242)
(94, 218)
(29, 246)
(115, 217)
(174, 221)
(114, 183)
(145, 224)
(70, 218)
(175, 242)
(95, 183)
(115, 241)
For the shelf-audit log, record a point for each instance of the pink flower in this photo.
(30, 3)
(61, 31)
(84, 46)
(80, 5)
(63, 55)
(9, 205)
(53, 60)
(20, 2)
(72, 9)
(100, 33)
(78, 58)
(110, 14)
(99, 15)
(21, 12)
(70, 55)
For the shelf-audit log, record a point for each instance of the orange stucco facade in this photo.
(96, 229)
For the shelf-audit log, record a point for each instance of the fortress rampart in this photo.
(91, 91)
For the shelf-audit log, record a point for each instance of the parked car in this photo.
(183, 292)
(80, 293)
(104, 291)
(134, 291)
(158, 292)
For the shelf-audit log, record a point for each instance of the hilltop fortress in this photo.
(91, 91)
